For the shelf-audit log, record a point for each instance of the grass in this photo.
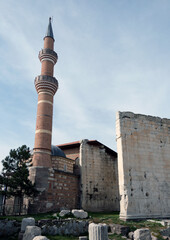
(113, 217)
(115, 236)
(62, 238)
(36, 216)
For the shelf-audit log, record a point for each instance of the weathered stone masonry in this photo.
(96, 165)
(99, 178)
(143, 144)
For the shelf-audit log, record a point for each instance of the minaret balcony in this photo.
(48, 55)
(46, 83)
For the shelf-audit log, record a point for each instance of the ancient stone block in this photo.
(119, 229)
(79, 213)
(40, 238)
(130, 235)
(31, 232)
(98, 231)
(83, 238)
(64, 212)
(27, 222)
(142, 234)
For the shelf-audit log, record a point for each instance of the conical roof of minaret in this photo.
(49, 30)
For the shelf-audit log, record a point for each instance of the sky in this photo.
(114, 55)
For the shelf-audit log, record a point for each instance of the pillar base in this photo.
(39, 176)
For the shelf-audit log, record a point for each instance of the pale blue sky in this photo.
(113, 55)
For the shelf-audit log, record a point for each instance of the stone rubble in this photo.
(64, 227)
(8, 228)
(165, 232)
(77, 228)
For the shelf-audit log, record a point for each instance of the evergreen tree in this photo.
(14, 180)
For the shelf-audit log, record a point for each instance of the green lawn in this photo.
(36, 216)
(61, 238)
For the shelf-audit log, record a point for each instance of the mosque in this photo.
(80, 174)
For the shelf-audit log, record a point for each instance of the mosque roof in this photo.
(56, 151)
(91, 142)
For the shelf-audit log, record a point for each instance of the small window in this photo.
(77, 161)
(65, 168)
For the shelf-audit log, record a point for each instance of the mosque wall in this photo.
(99, 178)
(58, 190)
(63, 164)
(63, 191)
(143, 145)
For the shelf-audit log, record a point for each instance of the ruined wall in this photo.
(143, 144)
(99, 185)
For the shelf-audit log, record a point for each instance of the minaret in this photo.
(46, 86)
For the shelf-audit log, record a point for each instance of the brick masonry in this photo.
(63, 188)
(143, 144)
(58, 189)
(63, 164)
(46, 86)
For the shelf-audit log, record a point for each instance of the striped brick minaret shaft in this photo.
(46, 86)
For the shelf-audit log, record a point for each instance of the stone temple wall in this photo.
(99, 178)
(143, 145)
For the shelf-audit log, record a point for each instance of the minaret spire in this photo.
(49, 30)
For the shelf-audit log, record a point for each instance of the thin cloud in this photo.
(112, 56)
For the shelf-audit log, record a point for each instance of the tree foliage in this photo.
(14, 180)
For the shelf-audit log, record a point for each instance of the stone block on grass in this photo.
(79, 213)
(31, 232)
(64, 213)
(40, 238)
(142, 234)
(98, 231)
(27, 222)
(119, 229)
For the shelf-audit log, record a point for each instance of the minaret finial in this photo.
(49, 30)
